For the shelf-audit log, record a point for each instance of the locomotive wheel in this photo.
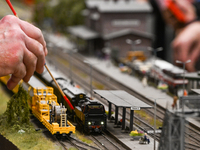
(58, 136)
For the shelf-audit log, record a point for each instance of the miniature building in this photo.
(193, 78)
(108, 23)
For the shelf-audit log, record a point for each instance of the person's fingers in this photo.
(30, 61)
(28, 29)
(32, 31)
(193, 56)
(46, 51)
(187, 8)
(181, 49)
(26, 51)
(16, 76)
(190, 66)
(37, 49)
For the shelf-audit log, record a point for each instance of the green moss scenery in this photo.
(15, 125)
(4, 98)
(83, 138)
(142, 114)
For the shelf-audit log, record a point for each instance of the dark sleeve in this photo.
(159, 29)
(197, 7)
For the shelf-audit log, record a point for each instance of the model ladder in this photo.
(63, 116)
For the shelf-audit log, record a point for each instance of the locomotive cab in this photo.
(93, 108)
(93, 116)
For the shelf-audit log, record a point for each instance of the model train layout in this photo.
(160, 71)
(45, 108)
(90, 114)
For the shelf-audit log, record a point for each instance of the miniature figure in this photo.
(144, 140)
(174, 105)
(144, 81)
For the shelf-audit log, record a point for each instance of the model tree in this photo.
(59, 14)
(17, 113)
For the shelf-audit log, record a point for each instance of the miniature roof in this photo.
(119, 6)
(162, 64)
(68, 87)
(121, 98)
(196, 91)
(192, 75)
(192, 101)
(125, 32)
(83, 32)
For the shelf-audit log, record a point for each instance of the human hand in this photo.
(22, 50)
(187, 45)
(179, 13)
(188, 9)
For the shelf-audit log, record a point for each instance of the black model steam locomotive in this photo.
(90, 114)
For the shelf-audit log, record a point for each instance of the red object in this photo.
(185, 93)
(68, 102)
(171, 5)
(29, 2)
(11, 7)
(95, 127)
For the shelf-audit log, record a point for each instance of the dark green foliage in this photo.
(42, 10)
(17, 113)
(65, 13)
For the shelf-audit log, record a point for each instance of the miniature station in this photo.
(193, 78)
(192, 102)
(122, 99)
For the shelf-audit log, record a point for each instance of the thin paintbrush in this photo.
(64, 96)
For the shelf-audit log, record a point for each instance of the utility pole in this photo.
(91, 68)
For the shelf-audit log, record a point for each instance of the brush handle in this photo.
(64, 96)
(11, 7)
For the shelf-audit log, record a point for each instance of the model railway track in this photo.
(85, 85)
(189, 146)
(109, 83)
(104, 143)
(98, 77)
(79, 145)
(63, 145)
(101, 141)
(73, 143)
(192, 137)
(39, 126)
